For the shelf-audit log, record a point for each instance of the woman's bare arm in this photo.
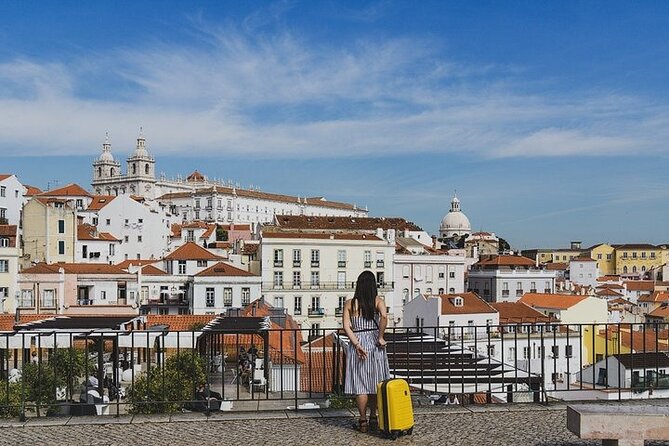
(346, 322)
(383, 319)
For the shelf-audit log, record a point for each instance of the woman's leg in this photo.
(372, 405)
(362, 405)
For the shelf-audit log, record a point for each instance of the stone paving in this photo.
(526, 424)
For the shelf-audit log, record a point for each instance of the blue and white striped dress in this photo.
(362, 375)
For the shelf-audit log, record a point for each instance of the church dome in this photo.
(455, 223)
(106, 155)
(140, 149)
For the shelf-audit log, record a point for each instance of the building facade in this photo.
(12, 198)
(9, 267)
(49, 230)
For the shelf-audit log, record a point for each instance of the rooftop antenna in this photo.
(52, 182)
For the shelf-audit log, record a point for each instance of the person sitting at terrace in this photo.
(253, 352)
(206, 399)
(245, 372)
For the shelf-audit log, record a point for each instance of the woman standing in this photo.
(365, 322)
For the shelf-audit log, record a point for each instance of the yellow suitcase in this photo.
(395, 409)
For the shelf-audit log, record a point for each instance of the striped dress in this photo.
(362, 375)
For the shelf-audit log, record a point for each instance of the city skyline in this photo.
(550, 121)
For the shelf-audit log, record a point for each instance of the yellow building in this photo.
(637, 258)
(614, 339)
(604, 255)
(49, 230)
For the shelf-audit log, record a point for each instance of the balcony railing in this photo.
(297, 263)
(278, 263)
(339, 311)
(505, 292)
(519, 292)
(26, 303)
(316, 312)
(368, 264)
(533, 290)
(315, 263)
(341, 264)
(386, 286)
(380, 263)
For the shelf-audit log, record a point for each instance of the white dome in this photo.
(455, 222)
(106, 156)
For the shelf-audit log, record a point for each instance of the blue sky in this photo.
(551, 119)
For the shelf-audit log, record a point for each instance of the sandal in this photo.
(373, 423)
(363, 425)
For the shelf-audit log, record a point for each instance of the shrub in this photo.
(164, 390)
(342, 402)
(10, 400)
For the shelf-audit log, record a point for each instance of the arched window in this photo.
(634, 269)
(624, 269)
(405, 295)
(441, 291)
(111, 172)
(428, 291)
(643, 269)
(146, 169)
(99, 171)
(134, 168)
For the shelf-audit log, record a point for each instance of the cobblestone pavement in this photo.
(527, 425)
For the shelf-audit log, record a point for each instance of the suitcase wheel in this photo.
(410, 431)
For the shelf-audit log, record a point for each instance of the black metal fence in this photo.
(54, 372)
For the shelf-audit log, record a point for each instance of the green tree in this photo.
(221, 234)
(163, 390)
(10, 400)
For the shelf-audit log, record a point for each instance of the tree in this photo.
(221, 234)
(503, 246)
(164, 390)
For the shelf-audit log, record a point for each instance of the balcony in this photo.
(547, 290)
(278, 263)
(277, 285)
(315, 263)
(341, 264)
(533, 290)
(297, 311)
(316, 312)
(380, 263)
(519, 293)
(368, 264)
(505, 293)
(339, 311)
(297, 263)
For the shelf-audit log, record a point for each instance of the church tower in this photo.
(141, 170)
(105, 168)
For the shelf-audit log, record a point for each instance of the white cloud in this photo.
(279, 95)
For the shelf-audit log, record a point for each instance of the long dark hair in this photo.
(364, 298)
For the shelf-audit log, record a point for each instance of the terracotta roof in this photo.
(191, 251)
(611, 286)
(655, 297)
(472, 303)
(640, 285)
(582, 259)
(7, 321)
(554, 301)
(224, 190)
(197, 224)
(621, 301)
(609, 278)
(223, 270)
(635, 246)
(8, 230)
(136, 262)
(195, 177)
(517, 312)
(90, 232)
(4, 176)
(321, 236)
(220, 245)
(316, 375)
(74, 268)
(176, 230)
(181, 322)
(638, 340)
(47, 200)
(152, 270)
(32, 190)
(250, 248)
(100, 201)
(662, 311)
(342, 223)
(504, 260)
(70, 190)
(556, 266)
(608, 292)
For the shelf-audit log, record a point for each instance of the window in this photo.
(380, 260)
(112, 249)
(4, 292)
(316, 304)
(126, 239)
(599, 257)
(315, 330)
(297, 257)
(297, 308)
(491, 350)
(210, 297)
(405, 272)
(139, 239)
(26, 299)
(202, 263)
(227, 297)
(451, 274)
(3, 191)
(368, 259)
(609, 256)
(297, 279)
(61, 247)
(441, 290)
(428, 275)
(547, 287)
(555, 351)
(103, 295)
(209, 202)
(315, 258)
(182, 267)
(341, 258)
(441, 272)
(341, 279)
(505, 288)
(61, 226)
(278, 279)
(315, 279)
(4, 266)
(568, 351)
(405, 295)
(526, 353)
(533, 287)
(246, 296)
(108, 221)
(278, 257)
(4, 242)
(278, 301)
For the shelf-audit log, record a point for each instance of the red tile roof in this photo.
(90, 232)
(191, 251)
(554, 301)
(471, 304)
(32, 190)
(321, 236)
(4, 176)
(640, 285)
(7, 321)
(70, 190)
(74, 268)
(660, 312)
(181, 322)
(152, 270)
(223, 270)
(556, 266)
(343, 223)
(608, 292)
(638, 340)
(137, 262)
(505, 260)
(195, 177)
(655, 297)
(518, 312)
(100, 201)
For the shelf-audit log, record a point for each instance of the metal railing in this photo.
(54, 372)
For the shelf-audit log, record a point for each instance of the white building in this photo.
(420, 270)
(93, 246)
(569, 309)
(455, 223)
(12, 198)
(223, 286)
(455, 316)
(312, 274)
(143, 227)
(199, 198)
(9, 267)
(584, 271)
(505, 278)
